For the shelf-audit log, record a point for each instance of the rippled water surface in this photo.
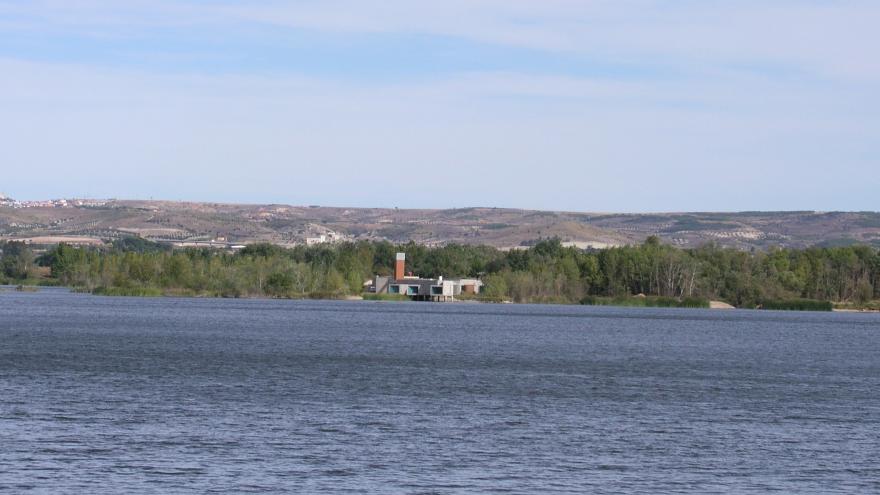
(118, 395)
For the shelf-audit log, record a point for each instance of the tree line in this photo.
(546, 272)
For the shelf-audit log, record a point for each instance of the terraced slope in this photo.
(227, 224)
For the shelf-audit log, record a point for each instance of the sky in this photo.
(579, 105)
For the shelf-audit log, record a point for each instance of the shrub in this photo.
(694, 302)
(279, 284)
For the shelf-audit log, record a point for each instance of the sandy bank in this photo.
(719, 305)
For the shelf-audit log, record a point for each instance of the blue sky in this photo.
(586, 105)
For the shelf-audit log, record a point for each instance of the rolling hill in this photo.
(229, 224)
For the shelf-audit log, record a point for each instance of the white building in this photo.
(424, 289)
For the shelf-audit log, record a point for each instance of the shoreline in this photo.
(713, 305)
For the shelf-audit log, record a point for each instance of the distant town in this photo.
(52, 203)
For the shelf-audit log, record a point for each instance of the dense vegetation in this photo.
(547, 272)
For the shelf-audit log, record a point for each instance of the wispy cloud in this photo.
(583, 105)
(831, 39)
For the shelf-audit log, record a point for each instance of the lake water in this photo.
(118, 395)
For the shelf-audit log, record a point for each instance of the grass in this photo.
(694, 302)
(547, 300)
(646, 302)
(798, 305)
(180, 292)
(128, 291)
(866, 306)
(32, 281)
(326, 295)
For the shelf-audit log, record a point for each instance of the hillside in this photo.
(230, 224)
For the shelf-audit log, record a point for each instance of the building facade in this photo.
(424, 289)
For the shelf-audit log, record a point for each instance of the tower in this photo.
(400, 266)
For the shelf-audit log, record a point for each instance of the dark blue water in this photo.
(116, 395)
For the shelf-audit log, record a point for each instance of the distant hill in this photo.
(230, 224)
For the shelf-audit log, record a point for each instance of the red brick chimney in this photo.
(400, 266)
